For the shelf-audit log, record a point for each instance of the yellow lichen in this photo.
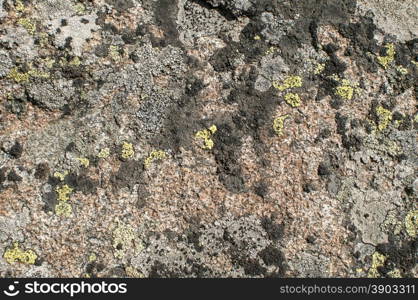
(133, 273)
(92, 257)
(79, 8)
(127, 150)
(104, 153)
(24, 77)
(28, 25)
(378, 260)
(61, 176)
(85, 162)
(289, 82)
(257, 37)
(154, 155)
(20, 7)
(16, 254)
(411, 223)
(292, 99)
(278, 124)
(345, 90)
(124, 239)
(75, 62)
(114, 53)
(63, 208)
(384, 116)
(206, 136)
(18, 76)
(319, 69)
(396, 273)
(63, 193)
(402, 70)
(385, 61)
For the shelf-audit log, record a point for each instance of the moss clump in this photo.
(384, 116)
(289, 82)
(104, 153)
(206, 136)
(154, 155)
(85, 162)
(278, 124)
(28, 25)
(411, 223)
(16, 254)
(292, 99)
(385, 61)
(378, 260)
(127, 150)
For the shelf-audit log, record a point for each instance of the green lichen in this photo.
(16, 254)
(154, 155)
(28, 24)
(378, 260)
(384, 116)
(205, 136)
(289, 82)
(278, 124)
(292, 99)
(411, 223)
(386, 60)
(127, 150)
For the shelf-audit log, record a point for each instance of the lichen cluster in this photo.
(127, 150)
(292, 99)
(206, 136)
(289, 82)
(386, 60)
(385, 117)
(17, 254)
(154, 155)
(63, 208)
(278, 124)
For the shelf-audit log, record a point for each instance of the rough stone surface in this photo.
(149, 138)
